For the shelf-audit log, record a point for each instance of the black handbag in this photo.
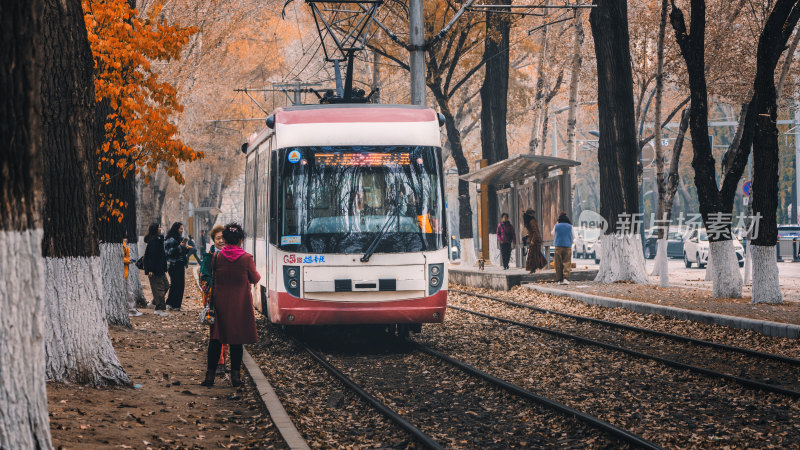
(139, 263)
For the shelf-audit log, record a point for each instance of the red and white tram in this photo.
(344, 206)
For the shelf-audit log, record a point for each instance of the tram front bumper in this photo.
(288, 310)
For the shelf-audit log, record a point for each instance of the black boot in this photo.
(236, 378)
(209, 381)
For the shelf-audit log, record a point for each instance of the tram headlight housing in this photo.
(291, 280)
(435, 278)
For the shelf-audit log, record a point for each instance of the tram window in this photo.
(273, 192)
(261, 198)
(337, 199)
(250, 192)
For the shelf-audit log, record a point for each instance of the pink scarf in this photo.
(232, 252)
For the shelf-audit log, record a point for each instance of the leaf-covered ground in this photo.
(165, 358)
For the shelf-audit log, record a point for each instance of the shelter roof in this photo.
(517, 168)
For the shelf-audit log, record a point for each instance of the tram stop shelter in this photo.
(540, 183)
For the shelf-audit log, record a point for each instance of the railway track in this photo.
(769, 366)
(376, 371)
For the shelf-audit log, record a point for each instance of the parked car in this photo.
(696, 249)
(674, 244)
(788, 242)
(583, 245)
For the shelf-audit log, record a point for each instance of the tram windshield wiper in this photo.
(374, 244)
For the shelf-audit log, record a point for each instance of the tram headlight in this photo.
(435, 277)
(291, 280)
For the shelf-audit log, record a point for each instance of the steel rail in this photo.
(544, 401)
(423, 438)
(669, 362)
(747, 351)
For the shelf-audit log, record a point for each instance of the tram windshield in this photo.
(338, 199)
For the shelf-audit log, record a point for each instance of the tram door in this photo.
(259, 229)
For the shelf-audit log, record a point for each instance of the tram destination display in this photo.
(362, 159)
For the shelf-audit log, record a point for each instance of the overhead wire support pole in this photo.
(416, 49)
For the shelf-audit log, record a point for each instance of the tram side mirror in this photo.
(244, 148)
(271, 121)
(440, 116)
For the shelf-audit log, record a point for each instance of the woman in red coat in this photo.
(234, 271)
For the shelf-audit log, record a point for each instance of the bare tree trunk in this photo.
(77, 342)
(133, 284)
(672, 181)
(24, 421)
(662, 226)
(777, 30)
(622, 257)
(111, 232)
(494, 98)
(539, 113)
(574, 81)
(454, 138)
(787, 63)
(376, 77)
(727, 281)
(151, 200)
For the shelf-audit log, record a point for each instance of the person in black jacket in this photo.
(176, 249)
(155, 267)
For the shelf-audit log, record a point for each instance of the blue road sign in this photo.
(747, 187)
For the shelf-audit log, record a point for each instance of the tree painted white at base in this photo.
(766, 284)
(24, 422)
(135, 291)
(621, 259)
(468, 258)
(724, 269)
(709, 267)
(77, 342)
(661, 266)
(115, 291)
(748, 262)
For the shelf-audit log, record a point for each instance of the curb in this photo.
(765, 327)
(277, 413)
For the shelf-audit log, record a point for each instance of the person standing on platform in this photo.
(506, 239)
(535, 259)
(235, 324)
(176, 249)
(207, 284)
(155, 267)
(563, 248)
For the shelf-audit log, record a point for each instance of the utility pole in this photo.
(417, 52)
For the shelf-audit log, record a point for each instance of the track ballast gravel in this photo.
(671, 407)
(668, 406)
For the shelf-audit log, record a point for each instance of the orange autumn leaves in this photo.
(140, 132)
